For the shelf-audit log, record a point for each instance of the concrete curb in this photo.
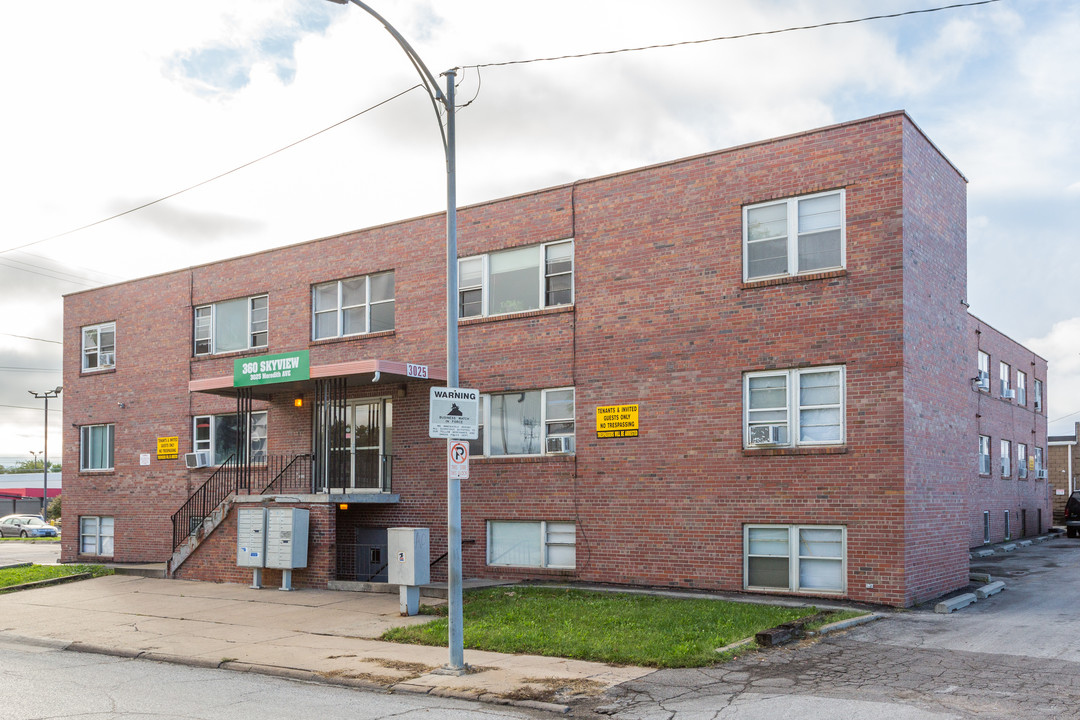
(46, 583)
(845, 624)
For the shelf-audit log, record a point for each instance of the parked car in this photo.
(26, 526)
(1072, 515)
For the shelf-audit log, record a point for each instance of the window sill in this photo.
(787, 279)
(547, 571)
(816, 450)
(480, 319)
(351, 338)
(106, 471)
(232, 353)
(97, 371)
(514, 459)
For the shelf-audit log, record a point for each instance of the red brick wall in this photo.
(661, 318)
(1003, 419)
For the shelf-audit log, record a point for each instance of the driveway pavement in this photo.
(1013, 655)
(39, 552)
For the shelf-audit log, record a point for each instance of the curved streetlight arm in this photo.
(426, 77)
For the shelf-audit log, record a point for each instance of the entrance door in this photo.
(371, 554)
(362, 452)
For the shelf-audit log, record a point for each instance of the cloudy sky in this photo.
(110, 105)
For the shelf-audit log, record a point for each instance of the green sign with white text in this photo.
(270, 369)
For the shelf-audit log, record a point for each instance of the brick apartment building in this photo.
(788, 316)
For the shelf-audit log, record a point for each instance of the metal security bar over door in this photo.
(333, 464)
(368, 437)
(243, 437)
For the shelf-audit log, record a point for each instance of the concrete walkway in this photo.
(322, 635)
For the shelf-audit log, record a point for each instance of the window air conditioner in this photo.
(984, 380)
(198, 459)
(562, 445)
(1008, 393)
(766, 434)
(1040, 474)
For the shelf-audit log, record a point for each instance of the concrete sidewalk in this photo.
(322, 635)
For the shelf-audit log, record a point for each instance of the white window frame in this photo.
(984, 455)
(102, 359)
(1038, 391)
(542, 270)
(1006, 458)
(1021, 461)
(85, 433)
(1038, 460)
(1008, 526)
(208, 444)
(485, 422)
(340, 308)
(1005, 376)
(983, 377)
(103, 541)
(549, 534)
(792, 212)
(205, 322)
(1021, 387)
(794, 558)
(792, 407)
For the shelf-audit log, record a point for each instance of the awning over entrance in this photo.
(355, 372)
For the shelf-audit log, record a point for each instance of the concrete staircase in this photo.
(183, 551)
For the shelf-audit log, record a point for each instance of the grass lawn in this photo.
(32, 573)
(610, 627)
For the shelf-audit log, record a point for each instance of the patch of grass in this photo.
(837, 616)
(40, 539)
(619, 628)
(33, 573)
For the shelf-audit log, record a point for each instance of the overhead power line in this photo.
(732, 37)
(210, 180)
(488, 65)
(27, 337)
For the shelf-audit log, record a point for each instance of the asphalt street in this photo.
(20, 551)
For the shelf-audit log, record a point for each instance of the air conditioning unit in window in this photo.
(983, 381)
(1007, 392)
(563, 445)
(199, 459)
(766, 434)
(1040, 474)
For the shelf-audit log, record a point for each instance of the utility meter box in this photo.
(410, 556)
(251, 537)
(286, 538)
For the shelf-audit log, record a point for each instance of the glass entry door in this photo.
(362, 448)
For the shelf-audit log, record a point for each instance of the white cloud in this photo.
(1061, 348)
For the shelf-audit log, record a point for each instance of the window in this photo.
(533, 422)
(1038, 396)
(99, 346)
(794, 407)
(793, 236)
(231, 325)
(1038, 463)
(531, 544)
(353, 306)
(1008, 527)
(983, 379)
(96, 447)
(1005, 375)
(1021, 461)
(794, 558)
(516, 280)
(96, 535)
(1006, 458)
(986, 526)
(1021, 388)
(218, 435)
(984, 455)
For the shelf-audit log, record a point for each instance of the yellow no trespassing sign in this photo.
(617, 421)
(168, 448)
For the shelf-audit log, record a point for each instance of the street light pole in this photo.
(45, 453)
(453, 485)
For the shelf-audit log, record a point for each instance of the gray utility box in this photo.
(410, 556)
(251, 537)
(286, 538)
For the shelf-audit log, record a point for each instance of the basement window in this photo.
(796, 558)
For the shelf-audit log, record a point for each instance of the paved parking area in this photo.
(1013, 655)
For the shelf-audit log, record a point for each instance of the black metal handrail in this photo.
(294, 476)
(223, 482)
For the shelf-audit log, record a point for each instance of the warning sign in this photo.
(168, 448)
(458, 460)
(453, 413)
(617, 421)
